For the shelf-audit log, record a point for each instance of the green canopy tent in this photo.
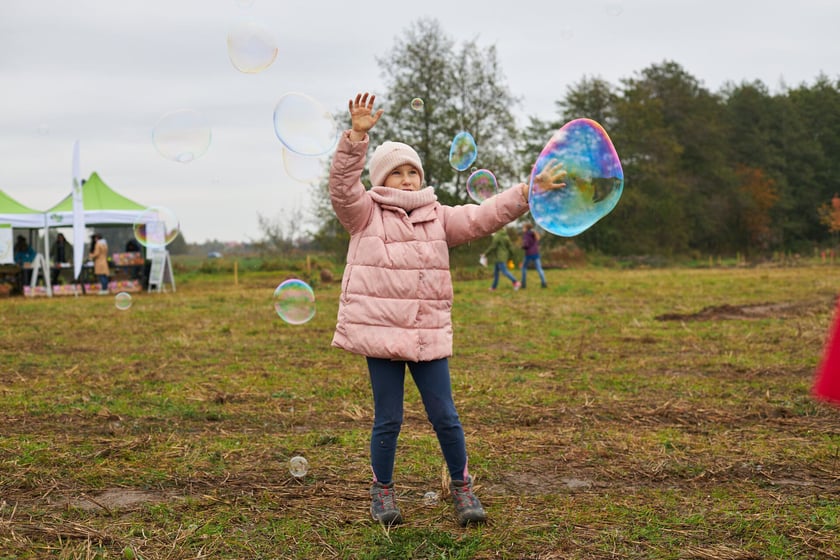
(13, 214)
(102, 206)
(18, 215)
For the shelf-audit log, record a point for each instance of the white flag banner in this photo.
(78, 216)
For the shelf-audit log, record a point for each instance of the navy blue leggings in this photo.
(387, 379)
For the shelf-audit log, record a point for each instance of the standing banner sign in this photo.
(160, 270)
(78, 217)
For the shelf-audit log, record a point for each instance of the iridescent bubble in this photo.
(463, 151)
(304, 126)
(182, 135)
(123, 301)
(594, 180)
(156, 227)
(251, 47)
(481, 185)
(306, 169)
(294, 301)
(417, 104)
(298, 466)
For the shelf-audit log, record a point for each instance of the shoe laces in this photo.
(464, 496)
(386, 498)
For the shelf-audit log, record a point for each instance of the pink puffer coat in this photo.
(396, 293)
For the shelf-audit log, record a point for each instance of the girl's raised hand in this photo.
(551, 177)
(362, 116)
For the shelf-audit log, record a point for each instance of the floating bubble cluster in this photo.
(182, 136)
(481, 185)
(462, 151)
(304, 126)
(156, 227)
(594, 179)
(417, 104)
(294, 301)
(298, 466)
(251, 47)
(123, 301)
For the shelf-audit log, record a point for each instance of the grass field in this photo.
(660, 413)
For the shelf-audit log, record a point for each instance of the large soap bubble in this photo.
(182, 135)
(594, 179)
(481, 185)
(304, 126)
(251, 47)
(462, 151)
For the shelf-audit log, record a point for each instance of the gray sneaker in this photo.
(383, 504)
(467, 507)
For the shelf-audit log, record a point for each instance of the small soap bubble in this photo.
(123, 301)
(481, 185)
(294, 301)
(462, 151)
(305, 169)
(156, 227)
(251, 47)
(430, 498)
(614, 8)
(182, 135)
(594, 179)
(417, 104)
(298, 466)
(304, 126)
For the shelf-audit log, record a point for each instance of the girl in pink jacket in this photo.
(396, 293)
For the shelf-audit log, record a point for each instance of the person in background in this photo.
(531, 245)
(23, 255)
(61, 253)
(99, 256)
(500, 252)
(132, 246)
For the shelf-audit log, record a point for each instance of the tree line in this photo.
(741, 170)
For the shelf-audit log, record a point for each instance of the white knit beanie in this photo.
(390, 155)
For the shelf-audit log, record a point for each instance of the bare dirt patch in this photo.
(752, 311)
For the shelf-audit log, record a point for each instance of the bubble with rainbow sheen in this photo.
(294, 301)
(251, 47)
(122, 301)
(417, 104)
(594, 179)
(156, 227)
(462, 151)
(298, 466)
(304, 125)
(481, 185)
(304, 169)
(183, 135)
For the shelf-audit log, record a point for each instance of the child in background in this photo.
(500, 252)
(531, 245)
(396, 294)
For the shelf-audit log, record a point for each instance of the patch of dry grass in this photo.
(616, 414)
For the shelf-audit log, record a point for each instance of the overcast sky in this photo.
(105, 71)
